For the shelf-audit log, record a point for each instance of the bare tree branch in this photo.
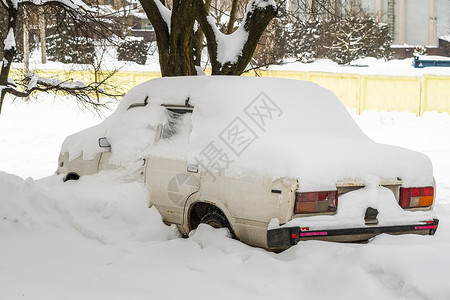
(232, 19)
(257, 17)
(82, 92)
(74, 9)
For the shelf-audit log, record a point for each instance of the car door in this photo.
(167, 175)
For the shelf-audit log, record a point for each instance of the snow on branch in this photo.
(35, 81)
(260, 4)
(229, 46)
(75, 9)
(72, 4)
(82, 92)
(158, 14)
(10, 41)
(165, 13)
(231, 53)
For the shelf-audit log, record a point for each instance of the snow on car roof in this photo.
(255, 126)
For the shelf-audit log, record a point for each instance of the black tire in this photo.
(71, 176)
(214, 220)
(217, 220)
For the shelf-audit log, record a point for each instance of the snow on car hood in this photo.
(255, 126)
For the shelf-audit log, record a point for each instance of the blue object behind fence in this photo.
(433, 61)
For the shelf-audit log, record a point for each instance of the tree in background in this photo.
(229, 52)
(74, 12)
(234, 32)
(306, 33)
(19, 33)
(70, 42)
(74, 40)
(355, 37)
(134, 50)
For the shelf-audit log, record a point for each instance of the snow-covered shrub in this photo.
(344, 40)
(66, 47)
(341, 39)
(305, 40)
(288, 37)
(355, 37)
(134, 50)
(420, 50)
(378, 41)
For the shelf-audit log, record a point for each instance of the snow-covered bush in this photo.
(420, 50)
(378, 41)
(356, 37)
(135, 50)
(341, 39)
(288, 37)
(306, 39)
(66, 47)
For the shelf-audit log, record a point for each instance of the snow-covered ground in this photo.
(366, 66)
(96, 238)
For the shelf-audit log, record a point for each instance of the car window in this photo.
(177, 122)
(172, 126)
(174, 136)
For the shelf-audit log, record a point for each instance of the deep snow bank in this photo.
(105, 207)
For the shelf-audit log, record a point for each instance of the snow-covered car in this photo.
(276, 161)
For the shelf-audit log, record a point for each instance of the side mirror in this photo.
(103, 143)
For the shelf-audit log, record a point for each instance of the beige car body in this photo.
(257, 210)
(249, 204)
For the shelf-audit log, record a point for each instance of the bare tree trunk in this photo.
(232, 19)
(182, 37)
(26, 44)
(8, 53)
(313, 9)
(256, 22)
(176, 46)
(162, 35)
(198, 39)
(42, 35)
(23, 89)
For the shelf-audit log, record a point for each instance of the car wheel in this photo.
(71, 176)
(216, 220)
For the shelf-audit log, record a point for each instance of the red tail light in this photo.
(416, 197)
(316, 202)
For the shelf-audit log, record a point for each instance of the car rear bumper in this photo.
(285, 237)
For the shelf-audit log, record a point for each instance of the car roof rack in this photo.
(139, 104)
(176, 108)
(180, 109)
